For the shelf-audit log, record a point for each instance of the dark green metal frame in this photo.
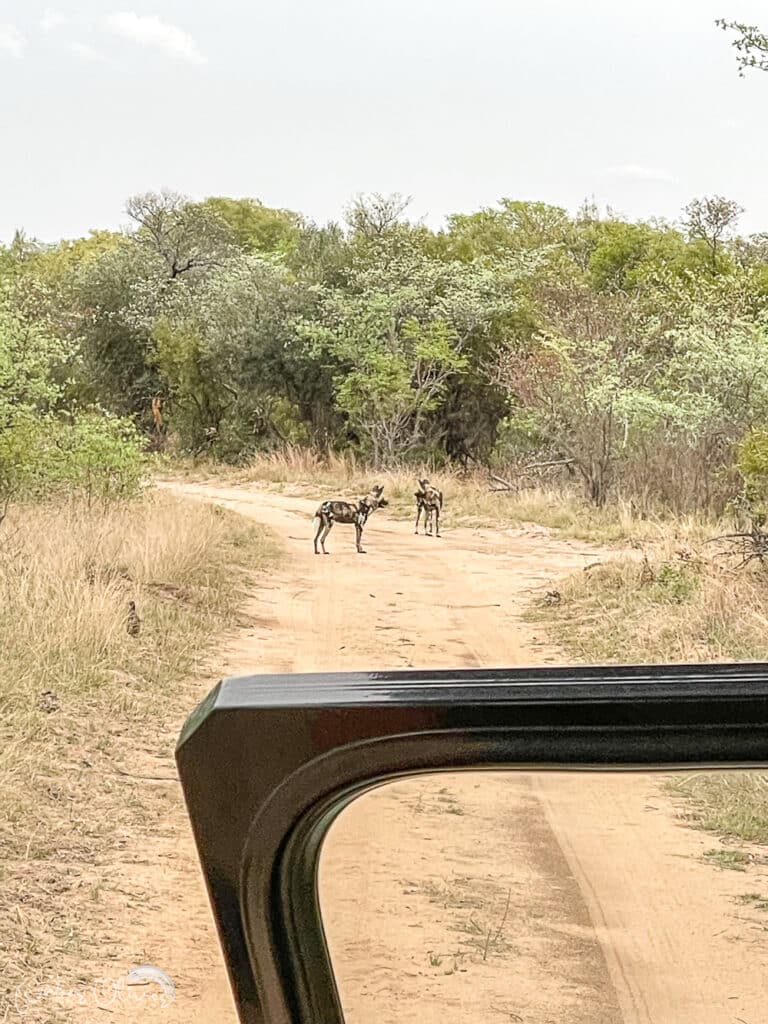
(267, 762)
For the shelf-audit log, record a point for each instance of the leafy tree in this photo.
(712, 219)
(752, 463)
(627, 256)
(321, 256)
(117, 298)
(29, 397)
(232, 366)
(581, 380)
(91, 456)
(44, 283)
(751, 45)
(375, 214)
(14, 256)
(636, 349)
(257, 228)
(134, 283)
(514, 227)
(400, 331)
(195, 395)
(44, 444)
(184, 237)
(717, 380)
(395, 380)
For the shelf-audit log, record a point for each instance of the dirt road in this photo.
(503, 897)
(420, 601)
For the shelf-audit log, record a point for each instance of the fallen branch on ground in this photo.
(505, 484)
(751, 544)
(547, 465)
(529, 470)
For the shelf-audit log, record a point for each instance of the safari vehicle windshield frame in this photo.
(268, 762)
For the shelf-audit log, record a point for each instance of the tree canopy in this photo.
(751, 44)
(633, 352)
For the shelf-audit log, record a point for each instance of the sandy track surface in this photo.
(454, 601)
(535, 898)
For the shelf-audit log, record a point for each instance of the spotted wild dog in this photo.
(429, 500)
(331, 512)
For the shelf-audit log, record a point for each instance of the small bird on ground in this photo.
(48, 701)
(553, 597)
(133, 625)
(647, 574)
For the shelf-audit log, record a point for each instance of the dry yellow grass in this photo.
(680, 607)
(66, 576)
(469, 500)
(732, 804)
(676, 606)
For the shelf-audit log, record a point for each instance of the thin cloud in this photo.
(51, 20)
(12, 41)
(636, 172)
(87, 53)
(153, 33)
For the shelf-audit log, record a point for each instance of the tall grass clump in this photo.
(732, 804)
(673, 605)
(80, 697)
(67, 573)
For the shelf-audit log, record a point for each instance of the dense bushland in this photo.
(631, 356)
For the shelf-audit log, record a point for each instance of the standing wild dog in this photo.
(429, 500)
(331, 512)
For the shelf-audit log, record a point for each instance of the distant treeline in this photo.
(634, 353)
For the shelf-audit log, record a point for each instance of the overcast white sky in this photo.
(302, 103)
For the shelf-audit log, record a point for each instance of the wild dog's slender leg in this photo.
(437, 520)
(359, 538)
(320, 528)
(428, 528)
(326, 531)
(418, 515)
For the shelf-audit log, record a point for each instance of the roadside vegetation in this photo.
(674, 604)
(733, 805)
(82, 702)
(677, 603)
(620, 360)
(88, 688)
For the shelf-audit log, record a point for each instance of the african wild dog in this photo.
(331, 512)
(429, 500)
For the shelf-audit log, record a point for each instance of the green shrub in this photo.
(675, 583)
(45, 447)
(96, 458)
(752, 463)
